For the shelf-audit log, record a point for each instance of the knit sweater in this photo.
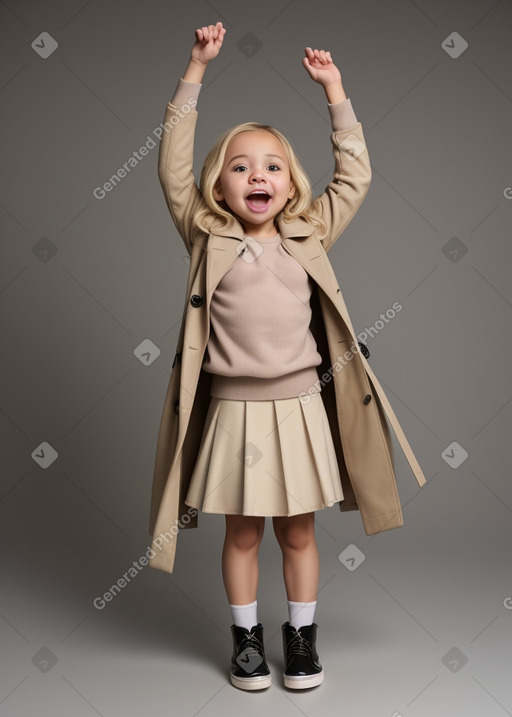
(260, 345)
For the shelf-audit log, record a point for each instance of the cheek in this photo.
(285, 186)
(230, 186)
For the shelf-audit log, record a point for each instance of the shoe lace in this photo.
(298, 645)
(252, 643)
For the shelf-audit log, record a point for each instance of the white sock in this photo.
(301, 613)
(245, 615)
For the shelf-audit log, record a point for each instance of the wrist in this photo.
(195, 61)
(195, 71)
(335, 92)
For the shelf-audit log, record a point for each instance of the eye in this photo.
(241, 166)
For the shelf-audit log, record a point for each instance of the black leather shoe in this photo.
(249, 669)
(303, 668)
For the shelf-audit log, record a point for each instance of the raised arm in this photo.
(176, 150)
(352, 171)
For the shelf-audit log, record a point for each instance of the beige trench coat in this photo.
(355, 403)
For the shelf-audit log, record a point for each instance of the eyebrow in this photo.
(238, 156)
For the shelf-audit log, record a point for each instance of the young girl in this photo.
(262, 443)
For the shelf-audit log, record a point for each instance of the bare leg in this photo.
(240, 570)
(301, 566)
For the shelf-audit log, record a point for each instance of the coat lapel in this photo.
(224, 243)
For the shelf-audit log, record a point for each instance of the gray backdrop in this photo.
(423, 625)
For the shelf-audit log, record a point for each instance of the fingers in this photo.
(322, 56)
(210, 32)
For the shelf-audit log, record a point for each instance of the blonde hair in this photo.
(300, 205)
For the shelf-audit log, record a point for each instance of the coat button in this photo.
(364, 350)
(176, 404)
(196, 300)
(367, 399)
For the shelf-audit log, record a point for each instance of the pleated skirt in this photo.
(273, 457)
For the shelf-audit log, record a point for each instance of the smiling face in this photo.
(255, 161)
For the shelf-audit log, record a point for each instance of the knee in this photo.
(245, 535)
(295, 537)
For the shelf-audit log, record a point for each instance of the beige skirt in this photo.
(265, 458)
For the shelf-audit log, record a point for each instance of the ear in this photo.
(291, 193)
(218, 195)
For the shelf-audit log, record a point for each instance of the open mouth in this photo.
(259, 200)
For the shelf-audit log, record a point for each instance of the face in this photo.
(255, 160)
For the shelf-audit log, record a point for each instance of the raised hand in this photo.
(320, 67)
(208, 44)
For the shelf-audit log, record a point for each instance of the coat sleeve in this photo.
(352, 172)
(176, 158)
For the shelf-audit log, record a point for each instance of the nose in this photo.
(257, 176)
